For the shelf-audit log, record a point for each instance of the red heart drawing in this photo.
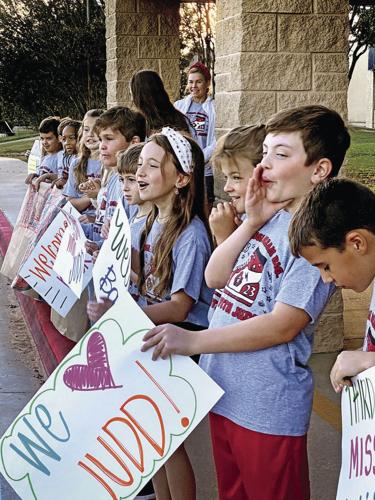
(96, 375)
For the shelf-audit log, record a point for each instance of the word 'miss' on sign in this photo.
(38, 270)
(133, 414)
(73, 262)
(357, 476)
(111, 272)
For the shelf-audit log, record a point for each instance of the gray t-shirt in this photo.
(136, 228)
(269, 390)
(48, 164)
(190, 256)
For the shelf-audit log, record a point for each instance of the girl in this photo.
(174, 249)
(199, 107)
(87, 165)
(235, 156)
(152, 100)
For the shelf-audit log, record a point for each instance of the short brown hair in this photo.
(331, 210)
(245, 141)
(49, 124)
(323, 132)
(127, 161)
(128, 122)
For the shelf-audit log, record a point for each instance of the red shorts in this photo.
(255, 466)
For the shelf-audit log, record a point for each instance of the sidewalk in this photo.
(20, 378)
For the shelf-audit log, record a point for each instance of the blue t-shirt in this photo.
(269, 390)
(48, 164)
(190, 255)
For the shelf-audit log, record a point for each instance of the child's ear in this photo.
(182, 181)
(356, 241)
(322, 170)
(135, 139)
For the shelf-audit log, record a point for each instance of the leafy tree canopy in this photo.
(362, 32)
(52, 58)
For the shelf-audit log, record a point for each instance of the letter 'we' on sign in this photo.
(357, 476)
(111, 272)
(133, 414)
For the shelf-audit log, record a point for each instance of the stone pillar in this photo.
(141, 34)
(277, 54)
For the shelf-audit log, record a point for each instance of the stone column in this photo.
(277, 54)
(141, 35)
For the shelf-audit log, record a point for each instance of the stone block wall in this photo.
(141, 35)
(277, 54)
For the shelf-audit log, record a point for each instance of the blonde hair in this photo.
(245, 141)
(127, 161)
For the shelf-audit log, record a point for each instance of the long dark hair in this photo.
(188, 203)
(151, 98)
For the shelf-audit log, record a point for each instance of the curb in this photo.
(51, 345)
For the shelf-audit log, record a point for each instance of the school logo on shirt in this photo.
(198, 121)
(243, 284)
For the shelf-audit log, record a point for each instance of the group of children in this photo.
(230, 288)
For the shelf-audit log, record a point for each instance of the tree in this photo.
(362, 32)
(52, 60)
(197, 35)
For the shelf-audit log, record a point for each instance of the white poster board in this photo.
(38, 270)
(107, 418)
(111, 273)
(72, 255)
(357, 476)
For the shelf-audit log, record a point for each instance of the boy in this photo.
(262, 329)
(334, 229)
(117, 129)
(48, 168)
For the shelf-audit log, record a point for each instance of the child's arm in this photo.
(223, 221)
(258, 210)
(80, 203)
(277, 327)
(348, 364)
(174, 310)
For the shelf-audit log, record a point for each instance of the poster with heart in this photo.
(72, 255)
(107, 418)
(111, 273)
(38, 270)
(357, 476)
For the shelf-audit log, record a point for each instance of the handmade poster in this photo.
(111, 273)
(107, 418)
(38, 270)
(357, 476)
(71, 257)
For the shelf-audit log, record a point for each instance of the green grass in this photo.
(14, 148)
(20, 134)
(360, 160)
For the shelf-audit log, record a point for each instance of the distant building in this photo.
(361, 99)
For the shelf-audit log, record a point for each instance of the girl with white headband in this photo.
(175, 247)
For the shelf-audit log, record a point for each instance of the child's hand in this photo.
(95, 310)
(86, 219)
(48, 177)
(29, 178)
(95, 256)
(90, 188)
(169, 339)
(91, 247)
(104, 232)
(258, 208)
(223, 221)
(347, 365)
(59, 183)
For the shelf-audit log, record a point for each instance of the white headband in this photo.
(181, 148)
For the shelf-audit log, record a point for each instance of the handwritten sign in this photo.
(38, 270)
(357, 476)
(111, 273)
(133, 414)
(72, 255)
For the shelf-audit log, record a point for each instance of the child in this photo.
(127, 165)
(261, 332)
(235, 156)
(87, 165)
(334, 229)
(51, 146)
(174, 249)
(117, 129)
